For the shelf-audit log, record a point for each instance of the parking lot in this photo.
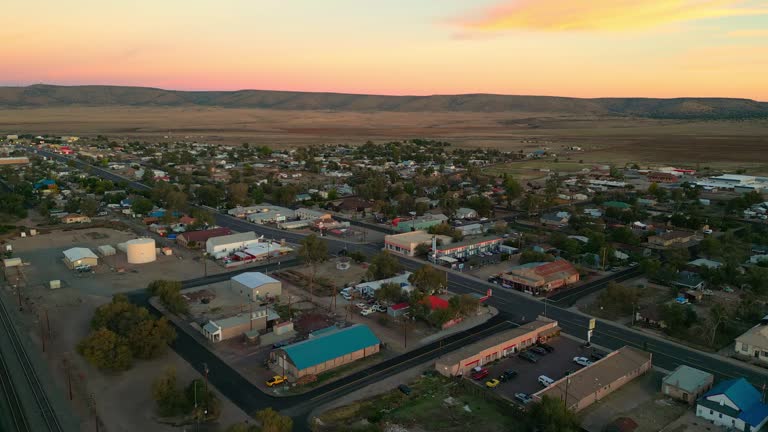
(554, 365)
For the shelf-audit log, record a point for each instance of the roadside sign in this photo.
(592, 324)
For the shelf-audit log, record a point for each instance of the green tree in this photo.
(106, 350)
(89, 207)
(551, 415)
(481, 204)
(529, 256)
(272, 421)
(384, 265)
(141, 206)
(150, 338)
(464, 305)
(170, 400)
(422, 250)
(238, 194)
(389, 292)
(446, 230)
(428, 279)
(209, 195)
(313, 251)
(513, 190)
(169, 293)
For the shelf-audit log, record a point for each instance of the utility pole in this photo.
(65, 363)
(42, 334)
(48, 323)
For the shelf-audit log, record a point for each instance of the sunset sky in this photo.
(582, 48)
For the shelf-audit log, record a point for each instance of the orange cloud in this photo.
(602, 15)
(753, 33)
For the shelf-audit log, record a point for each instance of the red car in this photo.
(479, 374)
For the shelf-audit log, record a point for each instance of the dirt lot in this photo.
(327, 277)
(435, 404)
(639, 400)
(69, 311)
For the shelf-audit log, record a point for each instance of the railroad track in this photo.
(46, 411)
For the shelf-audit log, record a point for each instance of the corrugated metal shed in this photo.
(331, 345)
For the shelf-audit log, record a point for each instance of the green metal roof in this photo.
(330, 345)
(617, 204)
(688, 378)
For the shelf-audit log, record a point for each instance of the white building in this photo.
(466, 213)
(224, 245)
(256, 285)
(371, 287)
(271, 214)
(734, 404)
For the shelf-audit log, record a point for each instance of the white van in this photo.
(545, 380)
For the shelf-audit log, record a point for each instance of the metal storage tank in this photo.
(141, 251)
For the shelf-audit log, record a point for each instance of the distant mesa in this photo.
(43, 95)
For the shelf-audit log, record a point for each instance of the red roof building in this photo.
(541, 277)
(200, 237)
(662, 177)
(435, 302)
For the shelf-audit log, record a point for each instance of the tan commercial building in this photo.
(406, 243)
(592, 383)
(325, 349)
(541, 277)
(75, 218)
(754, 342)
(238, 325)
(500, 345)
(671, 238)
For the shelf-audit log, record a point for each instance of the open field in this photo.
(720, 144)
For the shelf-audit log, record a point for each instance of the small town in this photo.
(399, 286)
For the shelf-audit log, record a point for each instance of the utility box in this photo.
(55, 284)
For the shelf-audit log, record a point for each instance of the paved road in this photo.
(518, 306)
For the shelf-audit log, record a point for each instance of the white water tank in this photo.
(140, 251)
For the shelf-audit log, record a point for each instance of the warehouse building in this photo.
(225, 245)
(256, 286)
(80, 256)
(309, 214)
(540, 277)
(592, 383)
(500, 345)
(325, 350)
(418, 223)
(194, 239)
(270, 214)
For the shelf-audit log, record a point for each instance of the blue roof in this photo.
(739, 391)
(754, 415)
(331, 345)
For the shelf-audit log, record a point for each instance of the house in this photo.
(617, 205)
(687, 384)
(370, 288)
(497, 346)
(75, 218)
(406, 243)
(733, 404)
(540, 277)
(325, 350)
(754, 342)
(435, 302)
(471, 229)
(559, 219)
(80, 256)
(465, 213)
(256, 286)
(689, 280)
(705, 263)
(590, 384)
(351, 205)
(195, 239)
(650, 315)
(398, 309)
(217, 330)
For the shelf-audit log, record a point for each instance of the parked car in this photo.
(479, 373)
(366, 312)
(492, 383)
(529, 357)
(379, 308)
(276, 380)
(597, 355)
(582, 361)
(362, 305)
(545, 380)
(540, 350)
(508, 375)
(404, 389)
(547, 347)
(523, 398)
(280, 344)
